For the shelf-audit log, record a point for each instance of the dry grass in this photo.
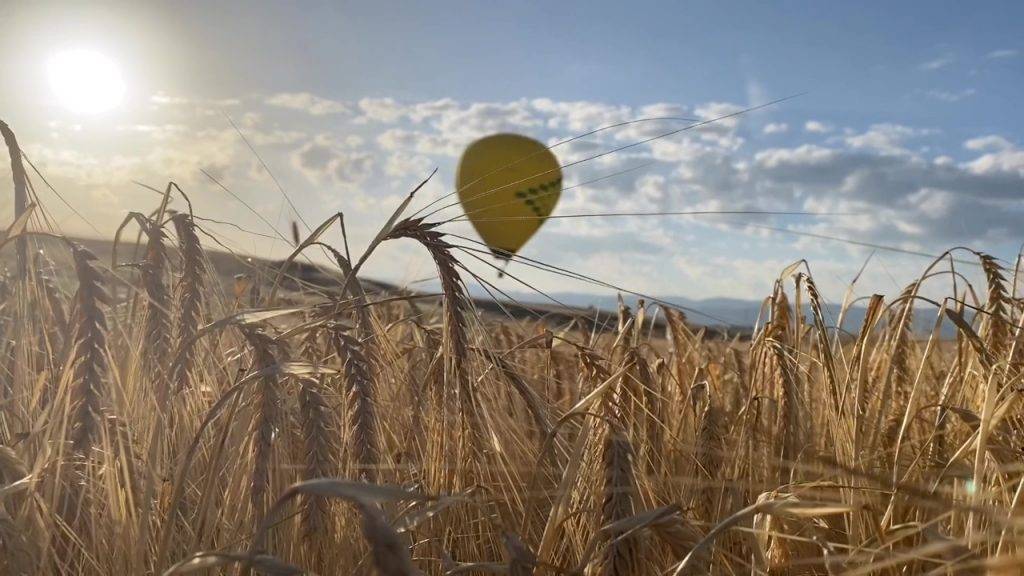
(168, 430)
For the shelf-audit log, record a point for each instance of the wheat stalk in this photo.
(456, 307)
(267, 420)
(360, 396)
(319, 446)
(90, 359)
(188, 297)
(622, 556)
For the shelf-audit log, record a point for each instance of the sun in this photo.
(85, 81)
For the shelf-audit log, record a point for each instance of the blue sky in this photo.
(909, 119)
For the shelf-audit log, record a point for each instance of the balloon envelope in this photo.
(508, 185)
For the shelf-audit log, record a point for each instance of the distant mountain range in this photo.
(733, 313)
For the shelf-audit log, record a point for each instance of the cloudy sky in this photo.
(908, 121)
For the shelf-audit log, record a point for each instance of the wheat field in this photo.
(156, 421)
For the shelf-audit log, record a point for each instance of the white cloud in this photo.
(390, 111)
(275, 137)
(775, 128)
(990, 142)
(1003, 163)
(886, 138)
(937, 63)
(463, 125)
(716, 111)
(403, 164)
(421, 142)
(1003, 53)
(817, 127)
(381, 109)
(324, 160)
(804, 155)
(580, 116)
(970, 203)
(161, 132)
(431, 109)
(932, 203)
(162, 99)
(445, 126)
(306, 102)
(662, 110)
(947, 96)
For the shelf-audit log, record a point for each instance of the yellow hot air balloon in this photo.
(508, 185)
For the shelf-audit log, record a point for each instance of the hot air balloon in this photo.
(508, 185)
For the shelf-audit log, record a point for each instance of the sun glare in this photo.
(85, 81)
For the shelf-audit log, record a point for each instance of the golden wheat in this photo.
(168, 430)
